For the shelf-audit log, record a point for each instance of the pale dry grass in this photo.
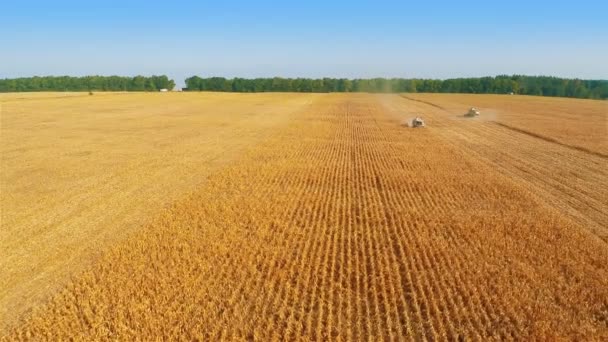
(80, 172)
(342, 224)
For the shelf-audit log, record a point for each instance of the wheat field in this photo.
(299, 217)
(80, 172)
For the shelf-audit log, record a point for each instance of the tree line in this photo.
(86, 83)
(517, 84)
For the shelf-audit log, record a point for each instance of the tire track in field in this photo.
(576, 184)
(551, 140)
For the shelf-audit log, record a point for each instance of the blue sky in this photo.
(436, 39)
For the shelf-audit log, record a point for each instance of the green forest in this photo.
(86, 83)
(527, 85)
(517, 84)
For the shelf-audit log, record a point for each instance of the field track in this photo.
(342, 224)
(580, 124)
(569, 172)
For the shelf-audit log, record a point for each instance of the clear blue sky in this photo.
(437, 39)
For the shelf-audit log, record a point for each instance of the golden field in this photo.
(557, 147)
(578, 123)
(79, 172)
(292, 216)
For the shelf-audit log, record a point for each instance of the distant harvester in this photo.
(418, 122)
(473, 112)
(164, 90)
(414, 122)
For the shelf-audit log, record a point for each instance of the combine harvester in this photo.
(414, 123)
(473, 112)
(417, 122)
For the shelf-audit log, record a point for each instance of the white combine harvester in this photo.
(417, 122)
(414, 123)
(473, 112)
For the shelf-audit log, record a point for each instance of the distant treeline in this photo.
(86, 83)
(517, 84)
(528, 85)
